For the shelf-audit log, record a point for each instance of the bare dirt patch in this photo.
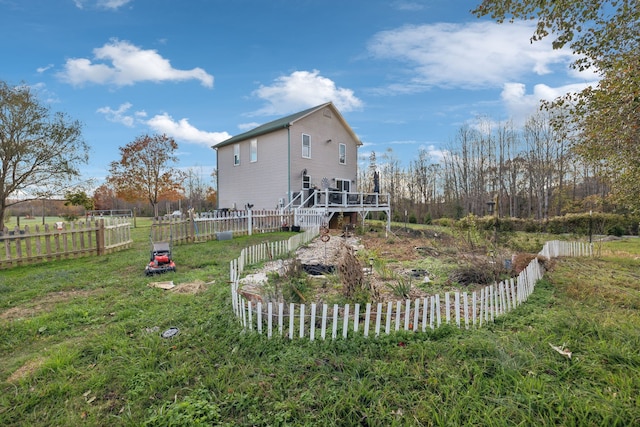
(44, 303)
(191, 287)
(25, 370)
(182, 288)
(406, 244)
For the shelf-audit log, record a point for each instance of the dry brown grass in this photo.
(619, 288)
(25, 370)
(45, 303)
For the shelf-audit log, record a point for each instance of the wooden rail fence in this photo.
(465, 310)
(63, 240)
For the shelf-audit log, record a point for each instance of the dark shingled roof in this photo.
(274, 125)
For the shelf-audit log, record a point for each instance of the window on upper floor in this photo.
(253, 152)
(236, 154)
(306, 146)
(342, 154)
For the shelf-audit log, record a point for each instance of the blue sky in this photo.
(405, 74)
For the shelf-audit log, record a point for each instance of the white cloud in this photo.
(521, 105)
(184, 131)
(248, 126)
(120, 115)
(44, 93)
(436, 155)
(304, 89)
(590, 75)
(407, 5)
(103, 4)
(112, 4)
(473, 55)
(41, 70)
(126, 65)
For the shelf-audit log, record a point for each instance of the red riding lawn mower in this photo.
(161, 261)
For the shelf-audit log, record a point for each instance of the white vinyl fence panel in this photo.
(461, 309)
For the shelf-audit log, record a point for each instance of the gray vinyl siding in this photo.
(264, 182)
(324, 161)
(260, 183)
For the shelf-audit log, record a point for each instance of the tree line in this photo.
(488, 167)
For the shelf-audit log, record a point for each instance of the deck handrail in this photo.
(331, 197)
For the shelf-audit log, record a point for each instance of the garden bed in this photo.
(404, 264)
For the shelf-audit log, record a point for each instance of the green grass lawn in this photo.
(80, 344)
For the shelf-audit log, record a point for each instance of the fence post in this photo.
(249, 222)
(100, 246)
(192, 228)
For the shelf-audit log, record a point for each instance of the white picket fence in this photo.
(267, 251)
(557, 248)
(463, 309)
(207, 226)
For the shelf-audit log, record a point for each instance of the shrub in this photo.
(296, 283)
(476, 273)
(596, 222)
(293, 286)
(382, 269)
(444, 222)
(531, 226)
(402, 287)
(506, 224)
(615, 230)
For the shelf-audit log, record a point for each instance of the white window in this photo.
(253, 154)
(342, 156)
(236, 154)
(306, 146)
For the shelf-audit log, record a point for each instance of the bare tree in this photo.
(391, 179)
(542, 162)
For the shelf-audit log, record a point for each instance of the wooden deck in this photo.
(326, 203)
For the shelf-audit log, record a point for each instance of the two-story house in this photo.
(283, 163)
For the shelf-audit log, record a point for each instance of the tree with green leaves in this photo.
(604, 121)
(38, 148)
(145, 172)
(78, 198)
